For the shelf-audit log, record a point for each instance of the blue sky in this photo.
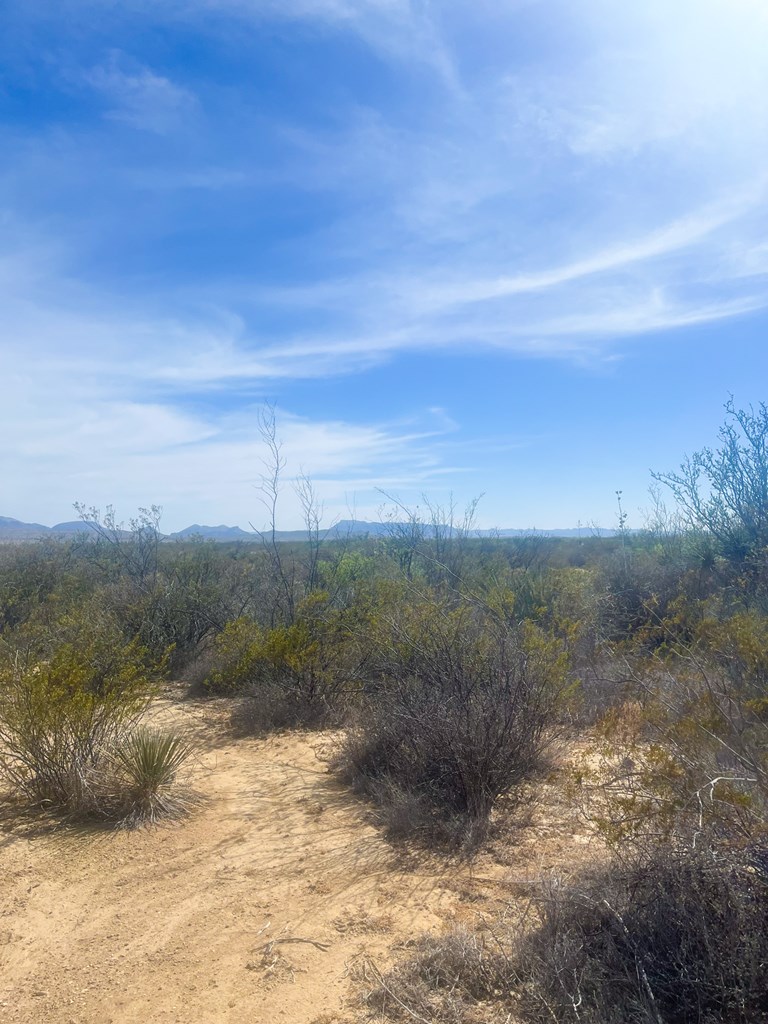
(509, 247)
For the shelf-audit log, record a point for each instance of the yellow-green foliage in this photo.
(549, 596)
(251, 655)
(60, 715)
(739, 644)
(78, 680)
(548, 657)
(311, 660)
(348, 571)
(237, 651)
(689, 758)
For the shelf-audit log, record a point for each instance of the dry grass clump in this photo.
(678, 938)
(455, 978)
(273, 707)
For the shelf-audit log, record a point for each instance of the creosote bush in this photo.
(235, 657)
(693, 765)
(70, 703)
(298, 675)
(463, 714)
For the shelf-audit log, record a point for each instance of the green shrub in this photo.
(61, 715)
(303, 674)
(147, 763)
(237, 655)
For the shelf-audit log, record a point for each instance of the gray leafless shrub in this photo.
(464, 716)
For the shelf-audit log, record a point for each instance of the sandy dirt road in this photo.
(263, 906)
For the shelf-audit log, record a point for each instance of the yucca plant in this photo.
(148, 762)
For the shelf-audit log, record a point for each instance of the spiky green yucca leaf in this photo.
(150, 760)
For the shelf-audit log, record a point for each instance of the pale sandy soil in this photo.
(261, 907)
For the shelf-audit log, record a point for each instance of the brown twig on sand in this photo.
(267, 947)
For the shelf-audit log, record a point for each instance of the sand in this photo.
(265, 905)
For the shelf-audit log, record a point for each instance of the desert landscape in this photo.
(276, 900)
(419, 773)
(384, 512)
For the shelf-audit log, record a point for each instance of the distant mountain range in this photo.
(15, 530)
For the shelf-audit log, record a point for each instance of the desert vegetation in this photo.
(461, 715)
(452, 673)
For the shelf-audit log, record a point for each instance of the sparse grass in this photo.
(679, 938)
(456, 978)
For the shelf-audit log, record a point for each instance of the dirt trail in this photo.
(174, 924)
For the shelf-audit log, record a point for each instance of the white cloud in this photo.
(194, 466)
(681, 234)
(406, 31)
(191, 346)
(139, 97)
(548, 205)
(651, 74)
(84, 431)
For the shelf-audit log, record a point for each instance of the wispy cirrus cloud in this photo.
(406, 31)
(339, 184)
(585, 309)
(137, 96)
(95, 436)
